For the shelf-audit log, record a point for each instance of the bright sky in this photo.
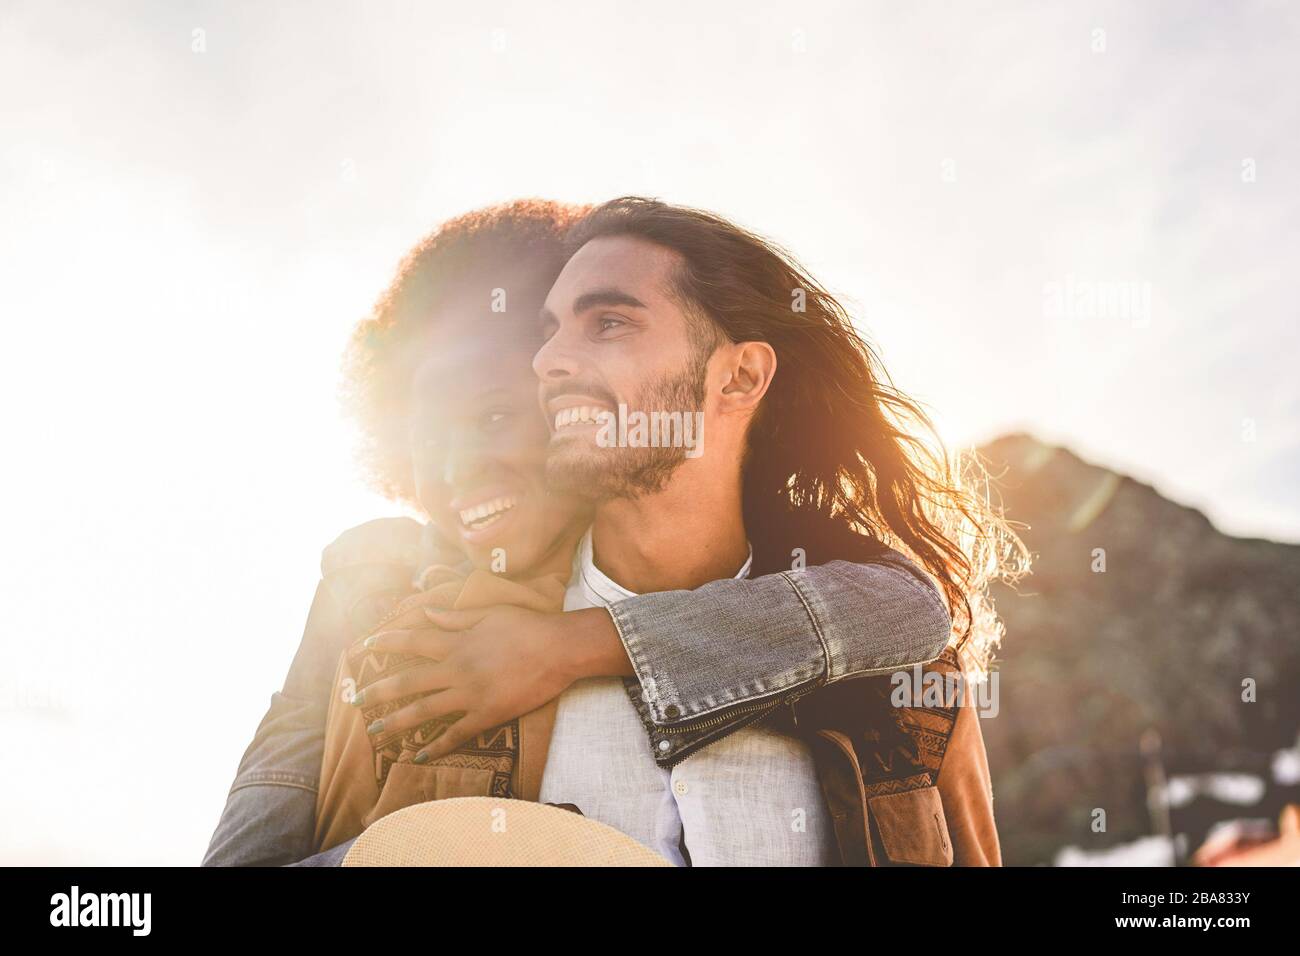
(191, 221)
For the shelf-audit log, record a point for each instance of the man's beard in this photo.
(604, 474)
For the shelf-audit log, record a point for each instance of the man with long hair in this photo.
(829, 444)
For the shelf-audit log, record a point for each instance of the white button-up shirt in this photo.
(750, 799)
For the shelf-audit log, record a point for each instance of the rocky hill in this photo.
(1161, 640)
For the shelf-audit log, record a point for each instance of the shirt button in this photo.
(680, 788)
(665, 746)
(672, 711)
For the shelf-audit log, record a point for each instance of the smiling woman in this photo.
(479, 443)
(439, 380)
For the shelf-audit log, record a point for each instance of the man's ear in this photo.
(748, 374)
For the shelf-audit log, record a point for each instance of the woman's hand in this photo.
(490, 666)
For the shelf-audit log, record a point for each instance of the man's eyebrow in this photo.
(594, 300)
(606, 297)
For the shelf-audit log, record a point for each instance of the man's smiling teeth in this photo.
(578, 415)
(488, 513)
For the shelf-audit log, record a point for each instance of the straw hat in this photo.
(484, 831)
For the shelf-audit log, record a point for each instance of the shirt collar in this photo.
(609, 589)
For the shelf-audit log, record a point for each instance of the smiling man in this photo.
(675, 313)
(619, 336)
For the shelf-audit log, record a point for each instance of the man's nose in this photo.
(555, 359)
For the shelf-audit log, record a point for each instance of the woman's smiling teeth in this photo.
(578, 415)
(488, 513)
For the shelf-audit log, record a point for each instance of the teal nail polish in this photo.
(376, 728)
(421, 757)
(358, 698)
(369, 641)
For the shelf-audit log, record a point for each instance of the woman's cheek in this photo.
(535, 436)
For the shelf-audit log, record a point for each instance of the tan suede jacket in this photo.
(365, 777)
(905, 785)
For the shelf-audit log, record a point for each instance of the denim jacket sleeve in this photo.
(712, 660)
(270, 813)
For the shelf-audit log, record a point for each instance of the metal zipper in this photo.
(772, 700)
(740, 722)
(704, 723)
